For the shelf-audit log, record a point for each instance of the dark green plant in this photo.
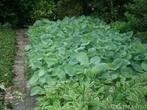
(137, 17)
(68, 8)
(110, 10)
(8, 12)
(44, 9)
(24, 11)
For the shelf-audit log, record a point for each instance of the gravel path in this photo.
(20, 83)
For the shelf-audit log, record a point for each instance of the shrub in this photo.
(111, 10)
(137, 16)
(27, 11)
(136, 19)
(7, 12)
(24, 11)
(44, 9)
(68, 8)
(122, 26)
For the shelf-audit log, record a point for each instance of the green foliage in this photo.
(121, 26)
(111, 10)
(117, 92)
(7, 52)
(7, 11)
(24, 11)
(142, 35)
(44, 9)
(81, 63)
(136, 19)
(68, 8)
(137, 16)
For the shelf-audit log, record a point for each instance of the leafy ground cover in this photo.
(83, 64)
(7, 53)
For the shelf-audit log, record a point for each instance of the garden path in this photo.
(20, 92)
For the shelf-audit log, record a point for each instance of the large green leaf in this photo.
(82, 58)
(144, 66)
(37, 91)
(98, 68)
(33, 79)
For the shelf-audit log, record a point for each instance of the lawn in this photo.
(7, 56)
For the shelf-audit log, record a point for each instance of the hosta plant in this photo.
(83, 64)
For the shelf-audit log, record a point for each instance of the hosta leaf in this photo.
(28, 47)
(82, 58)
(137, 67)
(33, 79)
(98, 68)
(116, 64)
(37, 91)
(59, 73)
(51, 61)
(41, 72)
(95, 60)
(126, 70)
(144, 66)
(69, 70)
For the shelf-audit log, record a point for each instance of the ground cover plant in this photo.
(83, 64)
(7, 53)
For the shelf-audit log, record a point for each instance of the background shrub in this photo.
(44, 9)
(135, 19)
(125, 15)
(68, 8)
(110, 10)
(8, 11)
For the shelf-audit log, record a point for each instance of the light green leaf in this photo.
(59, 73)
(37, 91)
(28, 47)
(51, 61)
(2, 87)
(83, 58)
(69, 70)
(33, 80)
(144, 66)
(98, 68)
(95, 60)
(116, 64)
(137, 67)
(41, 72)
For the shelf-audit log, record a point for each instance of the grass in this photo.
(7, 54)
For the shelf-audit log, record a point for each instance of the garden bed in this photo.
(82, 63)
